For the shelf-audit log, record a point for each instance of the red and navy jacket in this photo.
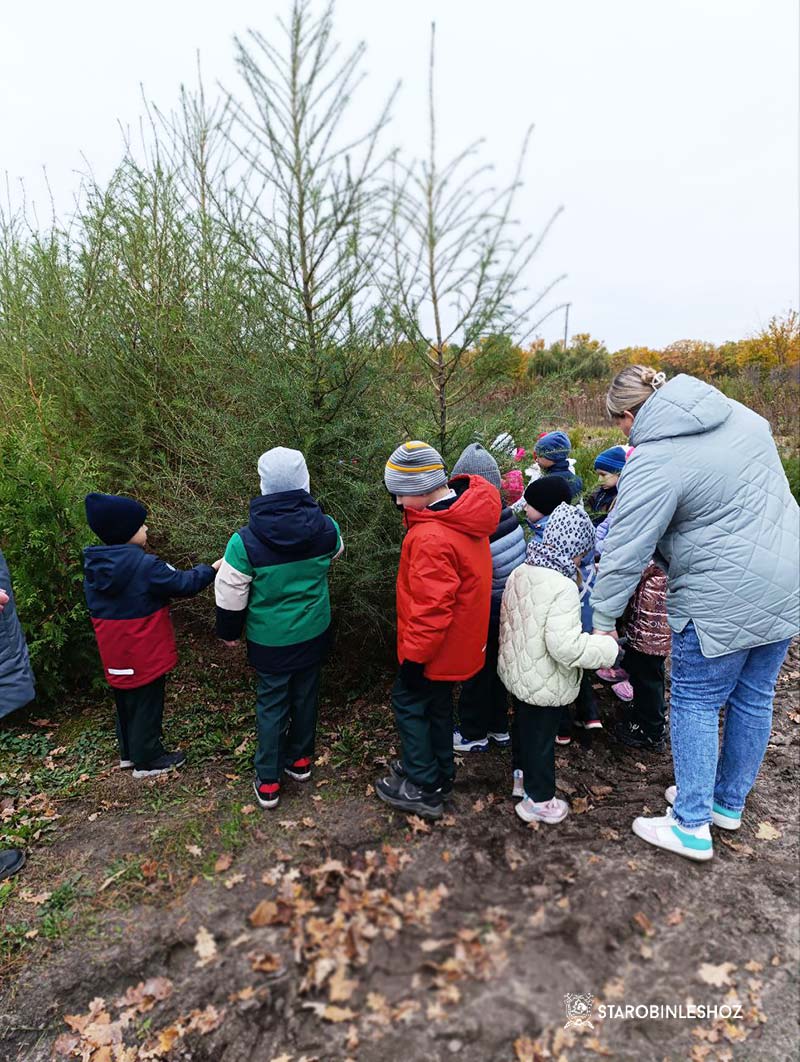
(127, 591)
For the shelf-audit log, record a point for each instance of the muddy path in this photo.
(333, 928)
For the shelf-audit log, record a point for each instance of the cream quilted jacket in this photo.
(542, 646)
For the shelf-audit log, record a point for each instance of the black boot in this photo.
(11, 861)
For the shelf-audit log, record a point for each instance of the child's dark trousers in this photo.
(424, 718)
(286, 717)
(648, 707)
(535, 730)
(483, 704)
(140, 713)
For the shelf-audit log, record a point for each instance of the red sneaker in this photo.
(300, 770)
(267, 793)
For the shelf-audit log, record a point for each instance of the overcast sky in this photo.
(668, 129)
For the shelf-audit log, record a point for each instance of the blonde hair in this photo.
(631, 388)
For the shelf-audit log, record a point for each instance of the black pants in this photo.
(535, 748)
(483, 704)
(140, 713)
(286, 717)
(424, 719)
(648, 707)
(585, 706)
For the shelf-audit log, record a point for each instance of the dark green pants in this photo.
(140, 714)
(424, 719)
(648, 707)
(535, 748)
(483, 704)
(286, 717)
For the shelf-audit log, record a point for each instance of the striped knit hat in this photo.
(414, 468)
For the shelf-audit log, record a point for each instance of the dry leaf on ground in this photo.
(767, 832)
(223, 863)
(719, 976)
(205, 946)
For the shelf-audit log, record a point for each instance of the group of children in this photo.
(491, 597)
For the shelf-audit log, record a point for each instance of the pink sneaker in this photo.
(623, 690)
(550, 811)
(612, 674)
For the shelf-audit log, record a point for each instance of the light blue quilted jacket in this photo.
(705, 490)
(16, 677)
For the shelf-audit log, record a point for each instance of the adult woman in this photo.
(705, 492)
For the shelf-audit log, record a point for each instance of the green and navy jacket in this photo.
(273, 582)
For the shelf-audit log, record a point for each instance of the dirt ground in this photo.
(175, 919)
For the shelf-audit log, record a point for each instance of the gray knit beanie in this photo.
(475, 460)
(414, 468)
(281, 469)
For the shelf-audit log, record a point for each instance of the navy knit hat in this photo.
(553, 445)
(611, 460)
(113, 518)
(546, 493)
(475, 460)
(414, 468)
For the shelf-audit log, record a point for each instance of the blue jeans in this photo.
(745, 682)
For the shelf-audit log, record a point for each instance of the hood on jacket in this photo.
(475, 512)
(109, 569)
(569, 534)
(288, 520)
(683, 406)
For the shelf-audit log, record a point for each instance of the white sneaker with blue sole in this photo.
(664, 831)
(720, 816)
(460, 743)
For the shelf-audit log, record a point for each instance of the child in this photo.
(483, 704)
(541, 498)
(511, 482)
(273, 585)
(552, 456)
(608, 465)
(127, 592)
(647, 642)
(444, 587)
(542, 651)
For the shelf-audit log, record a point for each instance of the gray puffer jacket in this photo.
(508, 552)
(16, 677)
(706, 492)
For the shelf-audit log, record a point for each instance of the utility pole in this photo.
(566, 325)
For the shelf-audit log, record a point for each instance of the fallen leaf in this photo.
(266, 962)
(580, 805)
(675, 917)
(753, 966)
(767, 832)
(479, 805)
(233, 880)
(265, 914)
(206, 1020)
(614, 989)
(223, 863)
(537, 918)
(418, 825)
(248, 809)
(146, 994)
(194, 849)
(716, 975)
(340, 986)
(308, 822)
(36, 898)
(149, 868)
(205, 947)
(641, 920)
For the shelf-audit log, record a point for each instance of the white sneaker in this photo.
(519, 787)
(550, 811)
(460, 744)
(500, 738)
(125, 765)
(664, 831)
(720, 816)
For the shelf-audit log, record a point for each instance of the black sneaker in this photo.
(631, 735)
(399, 771)
(401, 793)
(163, 765)
(267, 793)
(300, 770)
(11, 862)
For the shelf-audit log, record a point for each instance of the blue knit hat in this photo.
(113, 518)
(611, 460)
(553, 445)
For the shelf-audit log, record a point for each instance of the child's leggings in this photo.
(535, 748)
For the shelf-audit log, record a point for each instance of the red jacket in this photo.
(444, 584)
